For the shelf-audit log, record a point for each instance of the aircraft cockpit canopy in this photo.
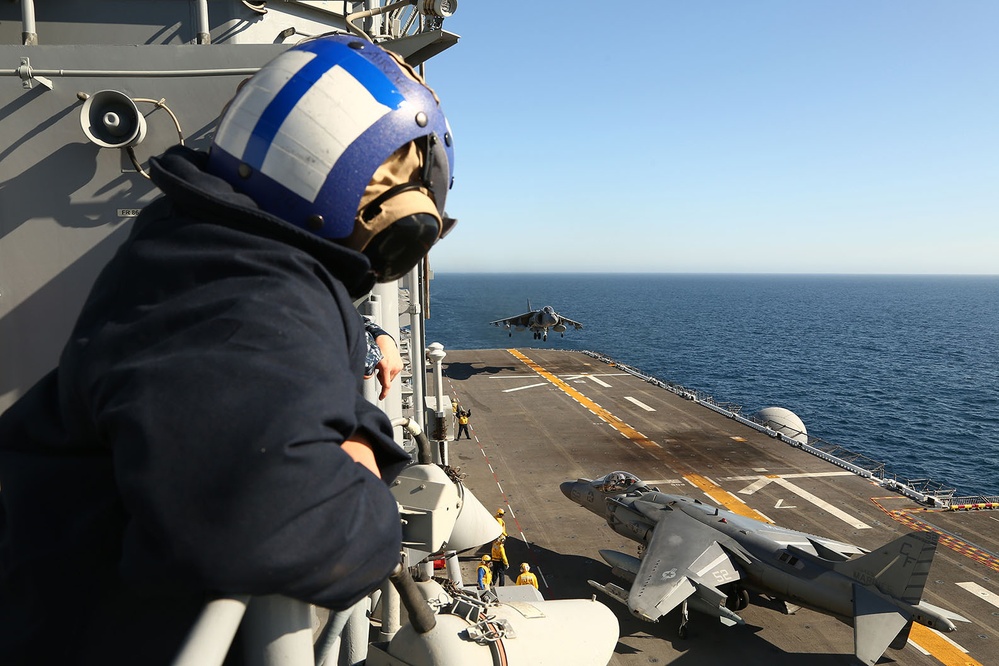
(617, 483)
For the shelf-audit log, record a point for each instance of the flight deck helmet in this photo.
(343, 139)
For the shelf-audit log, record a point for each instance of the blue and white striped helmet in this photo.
(304, 135)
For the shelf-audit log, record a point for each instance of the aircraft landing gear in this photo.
(684, 618)
(545, 337)
(738, 599)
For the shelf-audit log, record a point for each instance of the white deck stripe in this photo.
(824, 505)
(540, 573)
(981, 593)
(639, 403)
(753, 487)
(521, 388)
(802, 475)
(597, 381)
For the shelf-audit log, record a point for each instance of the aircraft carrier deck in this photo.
(541, 417)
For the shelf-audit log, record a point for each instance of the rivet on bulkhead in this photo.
(315, 222)
(244, 170)
(421, 119)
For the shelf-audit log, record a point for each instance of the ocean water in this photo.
(902, 369)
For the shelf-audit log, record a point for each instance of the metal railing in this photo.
(924, 491)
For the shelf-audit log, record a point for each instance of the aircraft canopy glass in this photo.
(617, 483)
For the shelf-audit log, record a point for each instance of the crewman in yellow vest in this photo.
(499, 519)
(500, 563)
(526, 577)
(485, 576)
(463, 415)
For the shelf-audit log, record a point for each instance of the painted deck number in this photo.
(128, 212)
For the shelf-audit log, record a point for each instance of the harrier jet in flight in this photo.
(539, 321)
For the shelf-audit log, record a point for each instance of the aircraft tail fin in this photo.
(877, 623)
(902, 638)
(898, 569)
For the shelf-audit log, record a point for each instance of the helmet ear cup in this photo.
(397, 249)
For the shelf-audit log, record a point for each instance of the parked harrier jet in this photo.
(707, 558)
(539, 321)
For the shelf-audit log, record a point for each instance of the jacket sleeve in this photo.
(226, 412)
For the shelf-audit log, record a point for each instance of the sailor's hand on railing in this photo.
(390, 365)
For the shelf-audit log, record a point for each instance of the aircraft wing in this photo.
(570, 322)
(519, 320)
(681, 559)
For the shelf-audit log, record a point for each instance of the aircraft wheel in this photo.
(683, 633)
(743, 599)
(545, 338)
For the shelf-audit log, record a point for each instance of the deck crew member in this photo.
(500, 563)
(499, 519)
(526, 577)
(207, 418)
(484, 576)
(463, 416)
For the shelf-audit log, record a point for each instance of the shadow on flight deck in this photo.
(460, 371)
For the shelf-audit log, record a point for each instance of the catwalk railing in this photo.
(924, 491)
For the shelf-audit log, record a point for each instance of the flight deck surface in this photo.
(541, 417)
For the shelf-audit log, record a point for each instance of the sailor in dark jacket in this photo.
(205, 431)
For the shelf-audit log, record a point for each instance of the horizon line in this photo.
(728, 273)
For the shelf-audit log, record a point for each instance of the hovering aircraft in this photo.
(702, 557)
(539, 321)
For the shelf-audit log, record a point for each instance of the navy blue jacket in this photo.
(188, 442)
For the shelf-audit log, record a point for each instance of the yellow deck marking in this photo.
(940, 648)
(712, 490)
(611, 420)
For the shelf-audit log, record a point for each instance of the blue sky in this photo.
(772, 136)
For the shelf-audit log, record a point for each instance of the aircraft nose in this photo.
(566, 488)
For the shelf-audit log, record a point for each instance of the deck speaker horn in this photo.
(111, 120)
